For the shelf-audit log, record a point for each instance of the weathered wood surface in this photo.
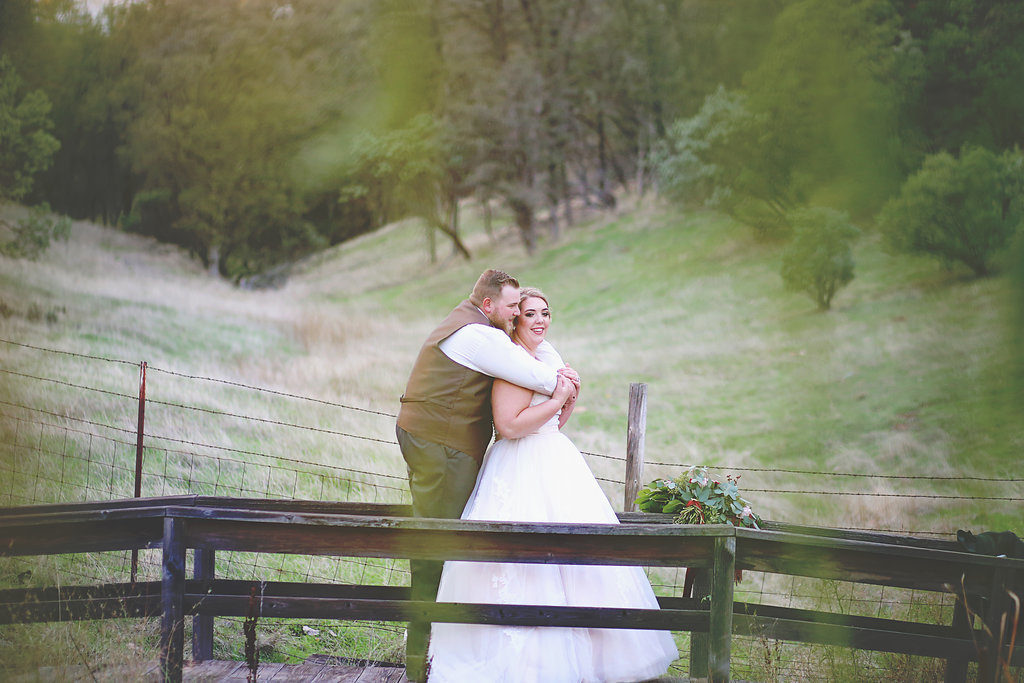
(316, 669)
(72, 603)
(357, 536)
(636, 428)
(209, 524)
(869, 561)
(172, 599)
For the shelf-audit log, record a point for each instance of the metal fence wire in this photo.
(77, 427)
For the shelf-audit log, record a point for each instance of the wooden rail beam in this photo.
(599, 544)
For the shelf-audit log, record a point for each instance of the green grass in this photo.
(912, 373)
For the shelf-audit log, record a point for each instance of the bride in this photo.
(533, 473)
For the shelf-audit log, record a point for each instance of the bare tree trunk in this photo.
(488, 219)
(213, 260)
(453, 223)
(431, 242)
(524, 214)
(566, 193)
(554, 228)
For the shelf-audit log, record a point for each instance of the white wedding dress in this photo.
(543, 478)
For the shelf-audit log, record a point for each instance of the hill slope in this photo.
(906, 376)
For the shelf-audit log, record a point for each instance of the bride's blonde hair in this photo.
(526, 292)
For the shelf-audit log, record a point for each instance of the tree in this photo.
(80, 60)
(824, 105)
(26, 146)
(958, 209)
(819, 257)
(217, 124)
(402, 173)
(813, 118)
(692, 159)
(963, 63)
(32, 235)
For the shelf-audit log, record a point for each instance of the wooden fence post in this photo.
(139, 432)
(956, 667)
(172, 601)
(635, 430)
(990, 659)
(723, 576)
(204, 569)
(701, 588)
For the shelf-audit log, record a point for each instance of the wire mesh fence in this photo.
(76, 427)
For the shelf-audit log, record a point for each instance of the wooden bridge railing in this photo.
(208, 525)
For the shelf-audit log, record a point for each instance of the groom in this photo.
(445, 422)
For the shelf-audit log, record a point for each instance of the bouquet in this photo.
(695, 498)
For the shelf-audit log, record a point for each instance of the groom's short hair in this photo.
(489, 286)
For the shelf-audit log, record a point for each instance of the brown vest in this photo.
(445, 402)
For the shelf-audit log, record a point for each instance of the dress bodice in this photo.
(552, 424)
(550, 357)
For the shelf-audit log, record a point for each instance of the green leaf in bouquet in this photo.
(673, 505)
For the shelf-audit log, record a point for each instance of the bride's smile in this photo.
(532, 324)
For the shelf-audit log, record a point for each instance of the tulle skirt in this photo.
(543, 478)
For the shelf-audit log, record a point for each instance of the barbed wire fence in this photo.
(64, 439)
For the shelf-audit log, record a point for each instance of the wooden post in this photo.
(723, 576)
(204, 569)
(635, 430)
(139, 432)
(956, 667)
(990, 660)
(172, 601)
(699, 641)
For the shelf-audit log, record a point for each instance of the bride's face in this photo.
(532, 323)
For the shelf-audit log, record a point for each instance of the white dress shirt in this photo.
(488, 350)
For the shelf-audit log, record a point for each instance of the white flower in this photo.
(746, 511)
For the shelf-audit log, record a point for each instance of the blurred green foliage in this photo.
(276, 129)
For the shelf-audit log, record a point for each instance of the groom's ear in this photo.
(487, 304)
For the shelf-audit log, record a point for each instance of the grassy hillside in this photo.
(910, 375)
(907, 375)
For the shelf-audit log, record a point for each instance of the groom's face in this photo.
(504, 309)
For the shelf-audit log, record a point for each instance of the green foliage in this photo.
(219, 119)
(695, 498)
(819, 257)
(812, 118)
(958, 209)
(249, 113)
(32, 235)
(963, 64)
(686, 157)
(26, 146)
(825, 105)
(710, 160)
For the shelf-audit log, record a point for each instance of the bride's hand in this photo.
(563, 390)
(572, 376)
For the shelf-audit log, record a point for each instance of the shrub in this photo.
(819, 258)
(958, 209)
(32, 235)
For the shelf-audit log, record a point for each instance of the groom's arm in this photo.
(488, 350)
